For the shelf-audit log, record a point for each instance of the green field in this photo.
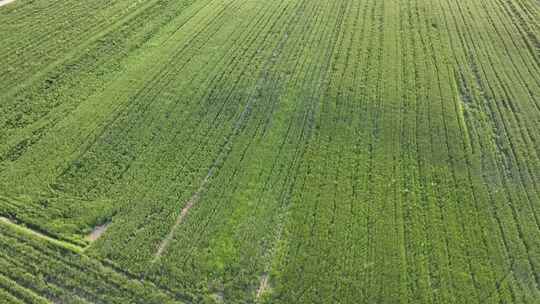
(270, 151)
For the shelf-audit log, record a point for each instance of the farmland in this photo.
(285, 151)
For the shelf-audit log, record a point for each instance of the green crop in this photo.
(286, 151)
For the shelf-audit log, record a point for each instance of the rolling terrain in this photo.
(285, 151)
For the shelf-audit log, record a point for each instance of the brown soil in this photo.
(97, 232)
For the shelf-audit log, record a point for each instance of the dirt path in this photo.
(192, 201)
(222, 155)
(5, 2)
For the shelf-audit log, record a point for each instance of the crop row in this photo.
(41, 110)
(31, 266)
(294, 152)
(30, 110)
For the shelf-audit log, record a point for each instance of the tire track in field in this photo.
(522, 121)
(233, 60)
(277, 83)
(171, 65)
(320, 79)
(289, 181)
(497, 90)
(451, 176)
(495, 112)
(469, 145)
(222, 156)
(271, 60)
(192, 201)
(450, 161)
(481, 85)
(263, 77)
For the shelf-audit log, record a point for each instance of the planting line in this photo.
(40, 235)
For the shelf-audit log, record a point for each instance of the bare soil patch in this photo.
(97, 232)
